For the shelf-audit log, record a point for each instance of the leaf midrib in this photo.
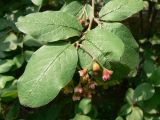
(51, 25)
(113, 10)
(46, 69)
(98, 49)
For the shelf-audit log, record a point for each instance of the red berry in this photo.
(82, 21)
(106, 74)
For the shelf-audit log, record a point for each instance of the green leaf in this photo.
(4, 80)
(10, 93)
(85, 60)
(85, 105)
(18, 60)
(136, 114)
(4, 54)
(31, 42)
(151, 117)
(8, 42)
(149, 67)
(117, 10)
(81, 117)
(106, 1)
(130, 56)
(143, 92)
(49, 69)
(50, 26)
(119, 118)
(77, 9)
(72, 8)
(129, 96)
(37, 2)
(4, 23)
(155, 77)
(152, 106)
(101, 45)
(125, 109)
(28, 54)
(6, 65)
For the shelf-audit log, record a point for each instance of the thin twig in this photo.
(98, 22)
(83, 11)
(92, 16)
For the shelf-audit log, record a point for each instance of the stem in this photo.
(39, 7)
(92, 16)
(81, 15)
(98, 22)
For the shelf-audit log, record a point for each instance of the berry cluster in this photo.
(86, 86)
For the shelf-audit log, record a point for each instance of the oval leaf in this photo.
(144, 92)
(72, 8)
(49, 69)
(77, 9)
(85, 105)
(136, 114)
(131, 55)
(117, 10)
(129, 96)
(125, 109)
(6, 65)
(102, 46)
(50, 26)
(155, 77)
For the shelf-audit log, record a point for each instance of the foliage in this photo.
(79, 58)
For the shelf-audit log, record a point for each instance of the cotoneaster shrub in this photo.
(75, 38)
(58, 55)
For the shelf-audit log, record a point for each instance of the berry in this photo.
(82, 21)
(93, 85)
(106, 74)
(83, 72)
(96, 67)
(78, 89)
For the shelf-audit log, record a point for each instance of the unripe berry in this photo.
(96, 67)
